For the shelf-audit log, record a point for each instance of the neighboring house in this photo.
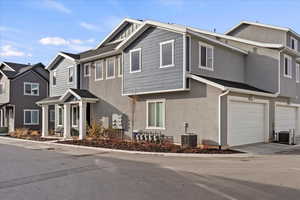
(21, 86)
(229, 89)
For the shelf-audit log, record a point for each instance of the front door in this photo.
(11, 119)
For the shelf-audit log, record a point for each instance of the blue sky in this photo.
(34, 31)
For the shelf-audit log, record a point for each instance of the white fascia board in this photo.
(69, 91)
(217, 42)
(117, 27)
(7, 65)
(258, 44)
(203, 80)
(60, 54)
(251, 92)
(3, 73)
(263, 25)
(291, 51)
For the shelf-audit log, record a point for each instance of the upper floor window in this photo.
(156, 114)
(287, 66)
(86, 69)
(294, 43)
(70, 74)
(120, 67)
(206, 56)
(297, 72)
(31, 117)
(99, 70)
(31, 89)
(1, 88)
(110, 68)
(135, 60)
(167, 54)
(54, 78)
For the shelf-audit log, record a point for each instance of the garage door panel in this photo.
(246, 123)
(285, 118)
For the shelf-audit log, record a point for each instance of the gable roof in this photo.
(15, 66)
(118, 28)
(175, 28)
(262, 25)
(59, 55)
(20, 69)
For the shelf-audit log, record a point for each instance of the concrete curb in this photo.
(190, 155)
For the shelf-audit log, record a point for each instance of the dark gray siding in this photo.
(62, 84)
(22, 101)
(260, 34)
(4, 98)
(228, 64)
(153, 78)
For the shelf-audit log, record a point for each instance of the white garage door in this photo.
(285, 118)
(247, 123)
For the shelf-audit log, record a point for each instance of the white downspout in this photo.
(220, 113)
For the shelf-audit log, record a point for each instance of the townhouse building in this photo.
(230, 89)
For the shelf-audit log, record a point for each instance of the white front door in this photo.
(285, 118)
(247, 122)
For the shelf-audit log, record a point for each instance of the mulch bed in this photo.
(35, 138)
(144, 146)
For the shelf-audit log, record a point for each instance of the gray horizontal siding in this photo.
(152, 77)
(260, 34)
(228, 64)
(62, 84)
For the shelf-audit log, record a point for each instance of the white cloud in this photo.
(55, 5)
(56, 41)
(89, 26)
(9, 51)
(73, 44)
(107, 24)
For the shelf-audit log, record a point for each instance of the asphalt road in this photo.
(46, 174)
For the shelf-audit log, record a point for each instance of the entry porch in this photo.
(70, 114)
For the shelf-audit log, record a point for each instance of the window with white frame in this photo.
(86, 69)
(99, 70)
(52, 115)
(120, 67)
(135, 60)
(294, 43)
(54, 78)
(156, 114)
(167, 54)
(287, 66)
(110, 68)
(2, 88)
(31, 89)
(75, 116)
(70, 74)
(206, 56)
(60, 113)
(31, 117)
(297, 72)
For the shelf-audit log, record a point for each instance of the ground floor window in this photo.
(156, 114)
(60, 116)
(75, 116)
(31, 117)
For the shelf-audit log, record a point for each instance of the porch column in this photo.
(67, 128)
(82, 120)
(45, 113)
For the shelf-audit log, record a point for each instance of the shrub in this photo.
(95, 130)
(35, 133)
(20, 132)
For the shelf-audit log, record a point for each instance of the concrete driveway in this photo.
(268, 148)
